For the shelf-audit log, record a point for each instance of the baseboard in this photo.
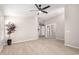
(23, 41)
(69, 45)
(20, 41)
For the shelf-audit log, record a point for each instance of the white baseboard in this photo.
(23, 41)
(69, 45)
(20, 41)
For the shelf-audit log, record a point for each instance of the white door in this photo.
(50, 31)
(53, 31)
(47, 31)
(41, 31)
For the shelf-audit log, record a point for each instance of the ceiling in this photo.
(24, 10)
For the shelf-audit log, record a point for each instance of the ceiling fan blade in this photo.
(37, 6)
(45, 12)
(33, 10)
(45, 7)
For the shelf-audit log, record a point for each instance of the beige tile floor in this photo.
(40, 47)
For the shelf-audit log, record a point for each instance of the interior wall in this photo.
(72, 26)
(1, 27)
(26, 28)
(58, 21)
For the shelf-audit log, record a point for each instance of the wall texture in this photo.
(26, 28)
(59, 22)
(72, 26)
(1, 29)
(1, 26)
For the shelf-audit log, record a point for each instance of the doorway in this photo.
(50, 31)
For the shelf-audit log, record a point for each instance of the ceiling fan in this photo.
(40, 9)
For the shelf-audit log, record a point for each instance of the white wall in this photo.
(72, 26)
(26, 28)
(1, 26)
(59, 21)
(1, 29)
(60, 25)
